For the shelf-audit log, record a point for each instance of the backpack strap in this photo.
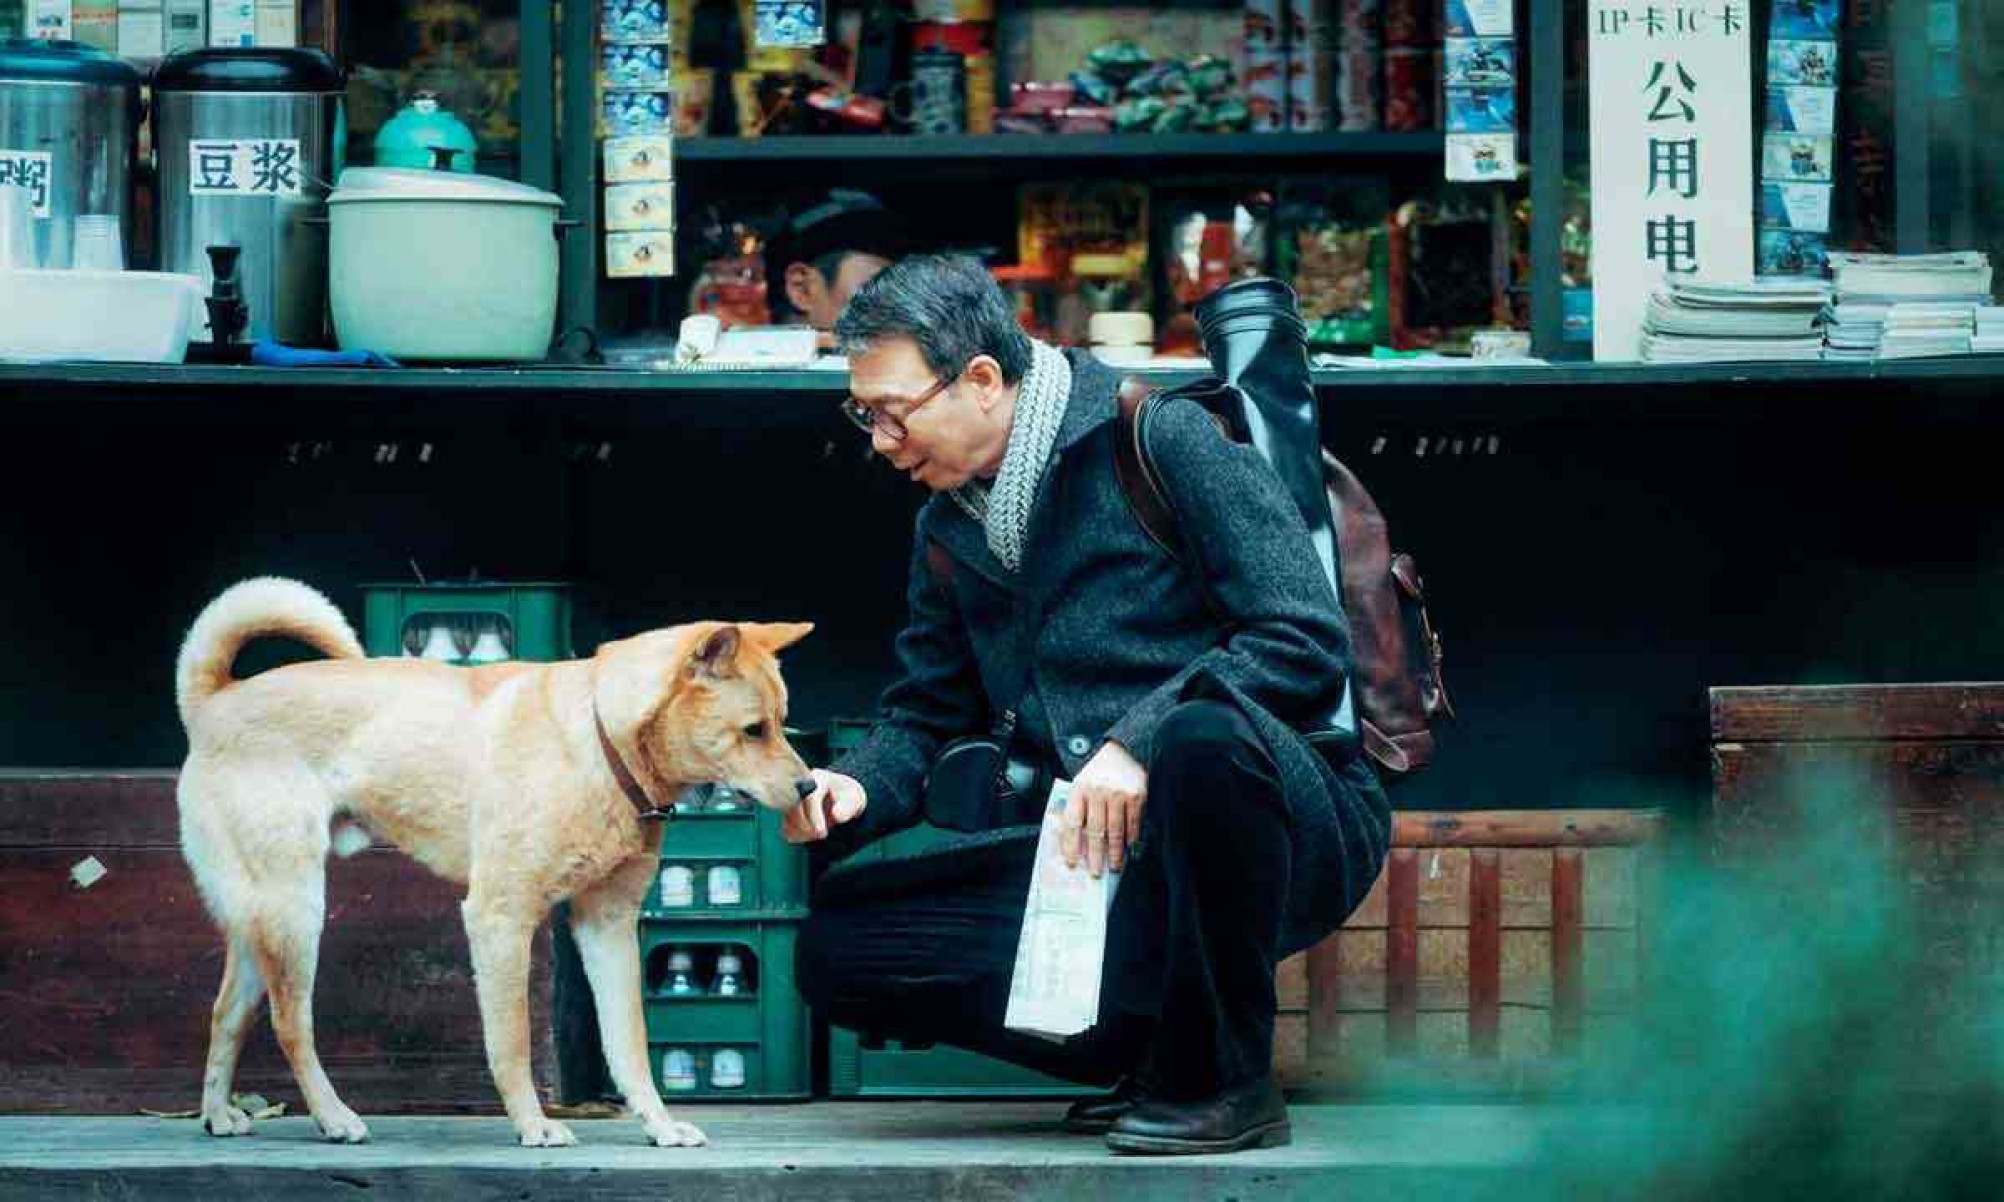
(1136, 472)
(1140, 480)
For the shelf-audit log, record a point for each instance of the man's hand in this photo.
(838, 799)
(1103, 813)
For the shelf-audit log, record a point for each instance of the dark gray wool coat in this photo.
(1109, 632)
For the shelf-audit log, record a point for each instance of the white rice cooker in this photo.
(428, 265)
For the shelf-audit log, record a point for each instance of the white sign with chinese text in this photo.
(244, 167)
(28, 170)
(1672, 140)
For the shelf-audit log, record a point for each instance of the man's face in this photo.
(948, 439)
(821, 300)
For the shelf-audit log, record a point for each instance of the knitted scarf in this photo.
(1003, 508)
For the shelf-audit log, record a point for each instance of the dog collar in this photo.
(649, 812)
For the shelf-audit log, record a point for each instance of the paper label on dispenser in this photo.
(244, 167)
(28, 169)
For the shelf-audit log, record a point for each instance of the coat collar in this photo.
(1090, 406)
(1092, 403)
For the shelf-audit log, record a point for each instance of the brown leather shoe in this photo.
(1248, 1116)
(1093, 1116)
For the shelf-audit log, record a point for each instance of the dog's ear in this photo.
(716, 654)
(777, 636)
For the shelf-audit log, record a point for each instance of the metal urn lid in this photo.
(29, 59)
(248, 69)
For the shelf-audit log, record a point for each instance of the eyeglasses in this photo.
(871, 418)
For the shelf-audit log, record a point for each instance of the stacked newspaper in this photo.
(1061, 953)
(1769, 319)
(1950, 275)
(1852, 330)
(1916, 330)
(1904, 306)
(1989, 330)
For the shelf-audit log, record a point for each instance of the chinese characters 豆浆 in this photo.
(244, 167)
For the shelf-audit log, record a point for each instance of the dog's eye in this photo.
(755, 732)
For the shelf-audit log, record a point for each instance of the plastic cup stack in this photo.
(17, 232)
(98, 244)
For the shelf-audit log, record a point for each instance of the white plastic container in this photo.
(442, 265)
(678, 886)
(725, 885)
(49, 315)
(1121, 338)
(727, 1069)
(678, 1070)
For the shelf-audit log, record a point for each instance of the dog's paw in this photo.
(226, 1121)
(543, 1132)
(342, 1127)
(667, 1133)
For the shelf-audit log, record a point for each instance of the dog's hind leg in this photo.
(499, 928)
(229, 1022)
(603, 918)
(286, 937)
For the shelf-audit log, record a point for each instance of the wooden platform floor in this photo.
(829, 1152)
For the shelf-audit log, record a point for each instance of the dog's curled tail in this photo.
(267, 605)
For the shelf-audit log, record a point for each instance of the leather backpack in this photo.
(1397, 690)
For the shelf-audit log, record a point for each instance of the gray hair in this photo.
(948, 305)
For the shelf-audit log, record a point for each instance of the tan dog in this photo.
(526, 782)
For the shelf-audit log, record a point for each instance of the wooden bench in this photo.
(1494, 944)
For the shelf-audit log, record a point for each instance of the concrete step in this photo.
(830, 1152)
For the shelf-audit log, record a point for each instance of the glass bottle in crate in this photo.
(725, 800)
(678, 1069)
(681, 973)
(438, 642)
(727, 1069)
(490, 645)
(678, 887)
(725, 885)
(730, 980)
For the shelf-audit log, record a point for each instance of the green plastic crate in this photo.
(767, 1024)
(892, 1070)
(535, 617)
(772, 873)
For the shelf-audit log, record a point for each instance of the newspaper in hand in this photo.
(1062, 952)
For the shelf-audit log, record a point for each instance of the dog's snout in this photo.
(805, 786)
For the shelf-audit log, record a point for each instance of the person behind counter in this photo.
(818, 259)
(1170, 691)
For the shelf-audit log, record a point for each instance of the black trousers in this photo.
(1188, 998)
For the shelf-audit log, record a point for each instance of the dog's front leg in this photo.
(499, 932)
(604, 920)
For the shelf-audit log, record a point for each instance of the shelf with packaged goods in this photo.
(24, 380)
(1072, 148)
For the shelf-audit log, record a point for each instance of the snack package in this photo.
(1092, 240)
(1207, 238)
(1330, 244)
